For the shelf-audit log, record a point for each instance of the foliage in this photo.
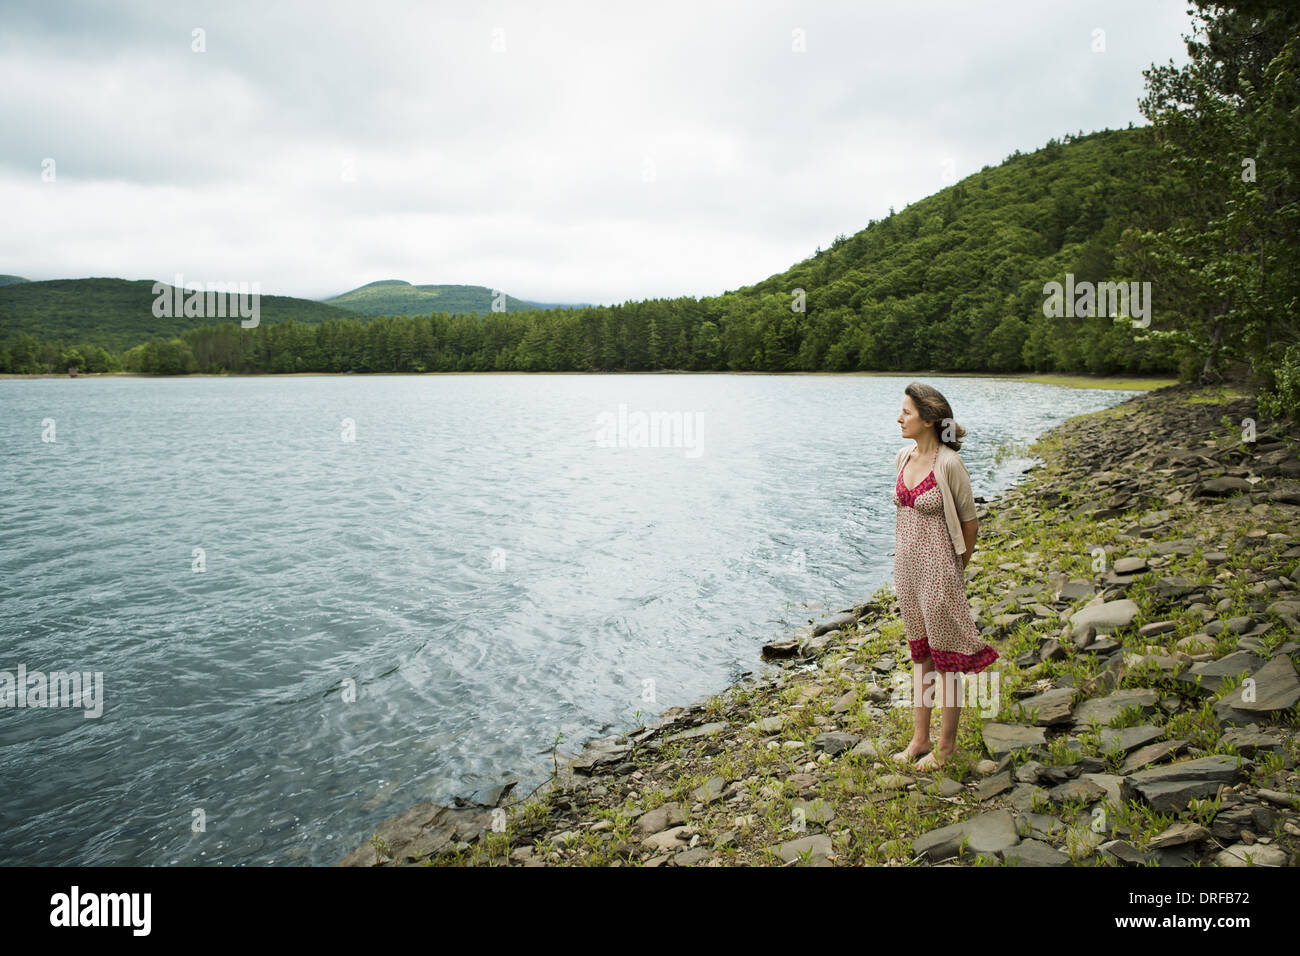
(1221, 234)
(1283, 400)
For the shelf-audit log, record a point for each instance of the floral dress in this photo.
(929, 582)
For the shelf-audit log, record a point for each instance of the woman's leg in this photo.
(950, 696)
(949, 691)
(922, 704)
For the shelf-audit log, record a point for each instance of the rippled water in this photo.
(479, 567)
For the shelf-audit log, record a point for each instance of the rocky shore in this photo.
(1142, 587)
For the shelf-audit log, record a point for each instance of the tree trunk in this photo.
(1209, 374)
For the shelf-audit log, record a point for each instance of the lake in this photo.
(314, 601)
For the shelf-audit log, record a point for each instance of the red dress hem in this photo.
(951, 660)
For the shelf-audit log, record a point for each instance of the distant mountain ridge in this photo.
(399, 297)
(118, 313)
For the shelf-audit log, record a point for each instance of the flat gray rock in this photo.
(779, 649)
(1219, 768)
(1233, 625)
(1225, 713)
(671, 839)
(693, 856)
(769, 725)
(1053, 706)
(1174, 586)
(1223, 487)
(1178, 835)
(1035, 853)
(703, 730)
(1255, 854)
(1126, 853)
(1076, 590)
(814, 811)
(834, 624)
(710, 790)
(992, 786)
(1170, 788)
(1250, 740)
(1005, 738)
(844, 704)
(1276, 687)
(1040, 826)
(660, 818)
(1129, 739)
(819, 844)
(1213, 673)
(1279, 798)
(989, 834)
(1151, 753)
(835, 741)
(1074, 790)
(1105, 618)
(1117, 788)
(1184, 546)
(864, 748)
(1105, 709)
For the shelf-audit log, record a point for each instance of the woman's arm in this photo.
(968, 530)
(964, 502)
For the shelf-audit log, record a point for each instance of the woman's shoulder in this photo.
(949, 458)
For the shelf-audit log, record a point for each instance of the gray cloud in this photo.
(606, 152)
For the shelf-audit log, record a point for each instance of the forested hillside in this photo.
(116, 314)
(956, 280)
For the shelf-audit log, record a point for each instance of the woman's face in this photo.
(910, 420)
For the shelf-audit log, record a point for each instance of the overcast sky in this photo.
(563, 152)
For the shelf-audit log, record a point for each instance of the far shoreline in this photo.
(1108, 382)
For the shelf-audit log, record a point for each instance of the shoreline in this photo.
(1067, 380)
(1198, 576)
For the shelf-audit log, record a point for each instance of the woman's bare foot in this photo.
(911, 753)
(933, 760)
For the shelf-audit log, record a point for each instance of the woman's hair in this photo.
(933, 407)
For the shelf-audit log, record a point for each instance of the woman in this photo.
(934, 539)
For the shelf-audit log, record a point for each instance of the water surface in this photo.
(474, 562)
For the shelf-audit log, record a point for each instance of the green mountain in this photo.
(956, 280)
(398, 297)
(12, 280)
(118, 313)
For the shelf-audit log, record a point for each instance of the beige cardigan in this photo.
(954, 483)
